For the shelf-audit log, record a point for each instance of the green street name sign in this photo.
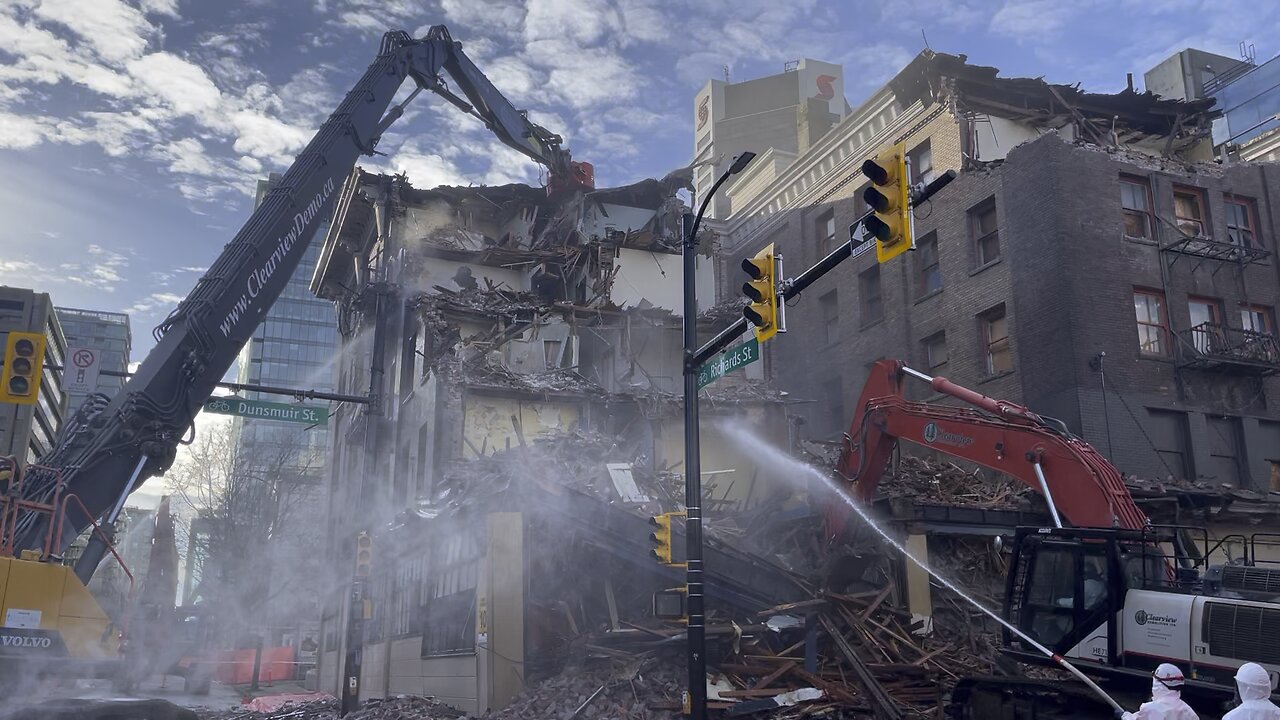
(286, 412)
(738, 356)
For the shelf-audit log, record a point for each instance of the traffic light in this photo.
(889, 197)
(671, 604)
(23, 361)
(762, 291)
(661, 538)
(364, 554)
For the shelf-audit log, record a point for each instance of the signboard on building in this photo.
(286, 412)
(81, 372)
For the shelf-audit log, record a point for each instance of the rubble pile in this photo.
(397, 708)
(609, 689)
(929, 480)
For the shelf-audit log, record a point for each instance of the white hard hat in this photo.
(1169, 675)
(1254, 675)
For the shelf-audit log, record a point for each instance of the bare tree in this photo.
(256, 507)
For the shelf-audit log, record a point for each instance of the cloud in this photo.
(115, 31)
(155, 302)
(1031, 19)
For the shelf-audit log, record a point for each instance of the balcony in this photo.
(1213, 346)
(1206, 249)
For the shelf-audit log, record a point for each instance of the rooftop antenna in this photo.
(926, 40)
(726, 73)
(1247, 52)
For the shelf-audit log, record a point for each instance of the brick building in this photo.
(1066, 236)
(523, 356)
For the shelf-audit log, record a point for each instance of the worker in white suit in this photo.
(1254, 683)
(1166, 698)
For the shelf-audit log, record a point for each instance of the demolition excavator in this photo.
(113, 444)
(1102, 587)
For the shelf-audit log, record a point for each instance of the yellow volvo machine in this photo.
(50, 624)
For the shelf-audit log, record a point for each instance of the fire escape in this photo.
(1217, 346)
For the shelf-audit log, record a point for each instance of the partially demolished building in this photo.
(523, 358)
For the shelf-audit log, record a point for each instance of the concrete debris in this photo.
(397, 708)
(612, 689)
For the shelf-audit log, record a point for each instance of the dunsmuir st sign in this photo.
(739, 355)
(285, 412)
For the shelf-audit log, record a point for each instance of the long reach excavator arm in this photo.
(1075, 479)
(112, 445)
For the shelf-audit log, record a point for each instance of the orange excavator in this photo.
(1102, 586)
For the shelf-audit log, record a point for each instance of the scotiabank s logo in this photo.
(826, 90)
(703, 112)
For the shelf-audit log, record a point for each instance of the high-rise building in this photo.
(28, 431)
(777, 117)
(293, 347)
(106, 332)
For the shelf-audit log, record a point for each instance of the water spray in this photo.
(746, 437)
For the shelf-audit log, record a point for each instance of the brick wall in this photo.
(1066, 276)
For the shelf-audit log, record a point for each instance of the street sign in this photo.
(738, 356)
(81, 374)
(286, 412)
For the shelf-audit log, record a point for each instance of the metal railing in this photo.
(1215, 342)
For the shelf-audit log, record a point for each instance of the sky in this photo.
(132, 132)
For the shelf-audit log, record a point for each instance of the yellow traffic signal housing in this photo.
(762, 290)
(661, 538)
(889, 197)
(23, 363)
(364, 555)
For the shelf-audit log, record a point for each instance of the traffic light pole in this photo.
(697, 631)
(792, 288)
(693, 472)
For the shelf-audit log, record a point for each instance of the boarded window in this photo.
(1168, 430)
(1224, 449)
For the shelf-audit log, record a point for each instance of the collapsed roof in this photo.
(1115, 119)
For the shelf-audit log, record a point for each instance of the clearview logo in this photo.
(258, 278)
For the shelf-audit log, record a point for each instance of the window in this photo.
(928, 269)
(825, 230)
(995, 338)
(449, 595)
(986, 239)
(935, 350)
(1153, 322)
(1135, 198)
(830, 317)
(1257, 318)
(1188, 211)
(921, 159)
(1240, 225)
(834, 390)
(1206, 323)
(869, 295)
